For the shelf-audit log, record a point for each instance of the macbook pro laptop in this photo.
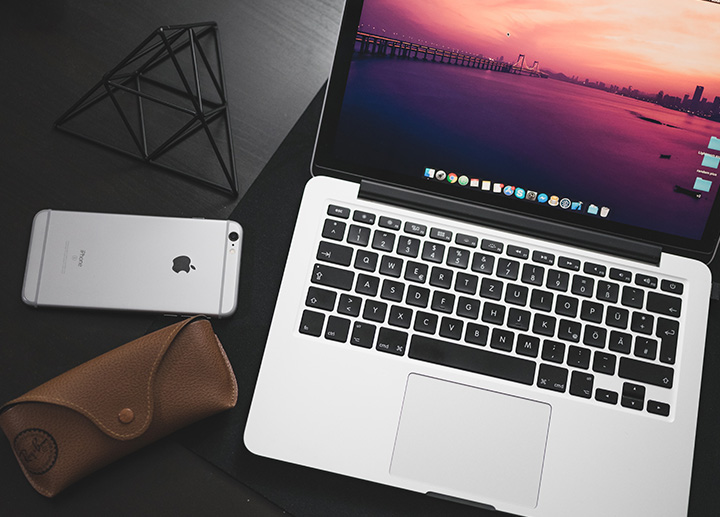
(497, 289)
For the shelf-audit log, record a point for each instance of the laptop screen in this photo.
(598, 113)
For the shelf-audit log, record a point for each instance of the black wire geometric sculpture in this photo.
(164, 96)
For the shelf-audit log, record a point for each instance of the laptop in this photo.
(497, 291)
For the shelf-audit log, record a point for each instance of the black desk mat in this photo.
(267, 213)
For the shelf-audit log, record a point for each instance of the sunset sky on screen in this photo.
(651, 45)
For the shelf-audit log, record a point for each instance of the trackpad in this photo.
(471, 443)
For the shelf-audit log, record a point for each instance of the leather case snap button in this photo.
(126, 416)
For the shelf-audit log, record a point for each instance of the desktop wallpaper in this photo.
(607, 108)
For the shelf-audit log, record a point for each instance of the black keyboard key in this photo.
(606, 396)
(483, 263)
(363, 335)
(334, 253)
(646, 348)
(333, 277)
(595, 336)
(492, 246)
(516, 294)
(541, 300)
(320, 299)
(358, 235)
(415, 229)
(491, 289)
(544, 325)
(433, 252)
(458, 258)
(594, 269)
(532, 274)
(581, 384)
(646, 281)
(633, 396)
(417, 296)
(557, 280)
(468, 308)
(389, 223)
(617, 317)
(338, 211)
(493, 314)
(518, 319)
(375, 311)
(391, 266)
(366, 260)
(475, 360)
(569, 331)
(642, 323)
(476, 334)
(312, 323)
(334, 230)
(440, 277)
(620, 275)
(664, 304)
(502, 340)
(425, 322)
(527, 345)
(542, 257)
(416, 272)
(620, 342)
(567, 306)
(465, 283)
(582, 286)
(518, 252)
(363, 217)
(349, 305)
(591, 311)
(604, 363)
(658, 408)
(647, 373)
(552, 378)
(400, 316)
(670, 286)
(632, 297)
(466, 240)
(408, 246)
(392, 291)
(391, 341)
(337, 329)
(443, 302)
(553, 351)
(508, 269)
(451, 328)
(667, 331)
(608, 291)
(383, 241)
(367, 284)
(579, 357)
(440, 235)
(569, 263)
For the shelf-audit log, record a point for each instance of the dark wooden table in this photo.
(277, 54)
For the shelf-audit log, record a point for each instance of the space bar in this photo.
(472, 359)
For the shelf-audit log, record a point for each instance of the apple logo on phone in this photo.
(182, 263)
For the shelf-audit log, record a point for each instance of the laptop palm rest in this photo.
(479, 444)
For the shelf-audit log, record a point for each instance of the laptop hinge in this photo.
(510, 221)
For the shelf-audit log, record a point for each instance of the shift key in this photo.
(333, 277)
(648, 373)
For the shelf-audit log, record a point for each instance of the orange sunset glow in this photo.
(651, 45)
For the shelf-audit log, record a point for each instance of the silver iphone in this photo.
(128, 262)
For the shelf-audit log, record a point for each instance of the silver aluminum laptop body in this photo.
(525, 443)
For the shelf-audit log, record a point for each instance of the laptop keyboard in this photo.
(482, 305)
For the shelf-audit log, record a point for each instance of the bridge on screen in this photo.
(372, 44)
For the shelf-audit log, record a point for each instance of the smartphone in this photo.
(129, 262)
